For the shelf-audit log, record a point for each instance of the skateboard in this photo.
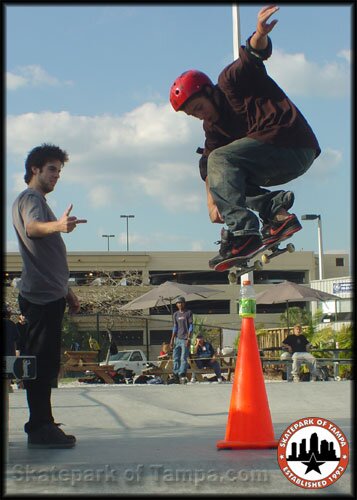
(243, 263)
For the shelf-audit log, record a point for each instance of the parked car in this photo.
(134, 360)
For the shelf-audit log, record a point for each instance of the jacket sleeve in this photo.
(246, 76)
(263, 55)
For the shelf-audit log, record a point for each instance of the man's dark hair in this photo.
(40, 155)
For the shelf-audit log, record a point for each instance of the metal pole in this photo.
(236, 31)
(236, 45)
(319, 233)
(108, 236)
(127, 228)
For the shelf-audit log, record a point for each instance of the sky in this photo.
(94, 79)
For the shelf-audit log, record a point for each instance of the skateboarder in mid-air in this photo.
(254, 136)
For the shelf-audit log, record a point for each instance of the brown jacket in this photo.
(252, 105)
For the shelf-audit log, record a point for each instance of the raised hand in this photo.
(263, 28)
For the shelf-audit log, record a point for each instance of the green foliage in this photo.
(327, 338)
(212, 335)
(323, 339)
(236, 341)
(345, 337)
(70, 334)
(296, 315)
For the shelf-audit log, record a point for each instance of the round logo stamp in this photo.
(313, 453)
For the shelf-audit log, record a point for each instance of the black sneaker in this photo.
(275, 231)
(50, 436)
(68, 435)
(235, 247)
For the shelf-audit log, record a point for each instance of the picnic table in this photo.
(82, 361)
(165, 368)
(228, 363)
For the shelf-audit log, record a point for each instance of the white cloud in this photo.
(14, 82)
(329, 163)
(299, 76)
(31, 75)
(129, 152)
(171, 185)
(101, 196)
(346, 54)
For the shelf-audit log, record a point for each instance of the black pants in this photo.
(43, 340)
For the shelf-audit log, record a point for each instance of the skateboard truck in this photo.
(243, 267)
(275, 251)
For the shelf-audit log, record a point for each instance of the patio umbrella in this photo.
(288, 291)
(166, 294)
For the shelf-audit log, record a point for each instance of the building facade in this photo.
(93, 275)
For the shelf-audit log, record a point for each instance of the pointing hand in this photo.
(68, 223)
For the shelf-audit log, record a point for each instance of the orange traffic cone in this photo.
(249, 423)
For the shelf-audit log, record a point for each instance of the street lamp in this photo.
(127, 217)
(319, 235)
(108, 236)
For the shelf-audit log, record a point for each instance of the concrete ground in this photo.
(159, 439)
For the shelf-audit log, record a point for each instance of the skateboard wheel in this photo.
(265, 258)
(290, 248)
(257, 264)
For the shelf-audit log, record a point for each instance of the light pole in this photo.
(236, 30)
(236, 44)
(319, 235)
(127, 217)
(108, 236)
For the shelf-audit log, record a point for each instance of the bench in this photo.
(336, 362)
(165, 368)
(82, 361)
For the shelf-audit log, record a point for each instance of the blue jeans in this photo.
(236, 173)
(211, 363)
(180, 355)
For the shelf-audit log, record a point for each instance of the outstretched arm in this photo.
(66, 224)
(259, 41)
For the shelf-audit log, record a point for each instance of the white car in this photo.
(134, 360)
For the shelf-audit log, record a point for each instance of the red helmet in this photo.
(186, 85)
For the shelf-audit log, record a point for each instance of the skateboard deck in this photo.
(243, 264)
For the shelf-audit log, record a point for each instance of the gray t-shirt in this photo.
(45, 270)
(183, 323)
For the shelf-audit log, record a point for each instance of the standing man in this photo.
(298, 345)
(180, 340)
(43, 291)
(255, 137)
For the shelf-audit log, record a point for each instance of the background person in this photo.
(297, 346)
(165, 350)
(180, 339)
(43, 289)
(206, 356)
